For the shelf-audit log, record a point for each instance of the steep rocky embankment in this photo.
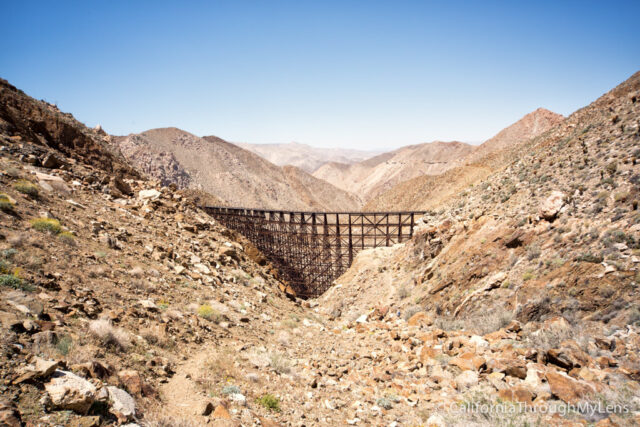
(526, 285)
(234, 175)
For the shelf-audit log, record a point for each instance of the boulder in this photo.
(40, 368)
(150, 194)
(465, 380)
(221, 412)
(131, 380)
(122, 405)
(69, 391)
(9, 415)
(419, 319)
(566, 388)
(468, 362)
(551, 206)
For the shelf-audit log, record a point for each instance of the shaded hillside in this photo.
(304, 156)
(426, 192)
(373, 176)
(24, 119)
(236, 176)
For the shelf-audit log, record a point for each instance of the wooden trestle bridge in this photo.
(312, 249)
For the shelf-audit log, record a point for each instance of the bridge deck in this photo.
(312, 249)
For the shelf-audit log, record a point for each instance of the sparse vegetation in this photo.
(270, 402)
(15, 282)
(27, 187)
(67, 238)
(48, 225)
(279, 363)
(207, 312)
(5, 204)
(109, 335)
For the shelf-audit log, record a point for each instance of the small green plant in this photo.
(528, 275)
(589, 257)
(207, 312)
(48, 225)
(230, 389)
(270, 402)
(6, 205)
(64, 345)
(15, 282)
(27, 187)
(612, 168)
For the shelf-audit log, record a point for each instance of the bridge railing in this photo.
(312, 249)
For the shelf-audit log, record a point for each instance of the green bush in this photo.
(49, 225)
(27, 187)
(64, 345)
(207, 312)
(270, 402)
(5, 204)
(13, 281)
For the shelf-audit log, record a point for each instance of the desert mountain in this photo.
(373, 176)
(123, 303)
(236, 176)
(304, 156)
(427, 191)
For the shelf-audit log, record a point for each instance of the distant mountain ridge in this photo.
(373, 176)
(306, 157)
(236, 176)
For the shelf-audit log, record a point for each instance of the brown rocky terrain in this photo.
(123, 303)
(378, 174)
(304, 156)
(234, 175)
(428, 191)
(525, 285)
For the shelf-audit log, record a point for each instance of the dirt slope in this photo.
(428, 191)
(236, 176)
(373, 176)
(304, 156)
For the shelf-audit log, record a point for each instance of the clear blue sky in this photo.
(361, 74)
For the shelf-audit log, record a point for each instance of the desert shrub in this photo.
(207, 312)
(67, 238)
(528, 275)
(612, 168)
(533, 252)
(15, 282)
(64, 345)
(589, 257)
(410, 311)
(49, 225)
(230, 389)
(109, 335)
(279, 363)
(26, 187)
(634, 315)
(550, 337)
(270, 402)
(384, 403)
(5, 204)
(403, 292)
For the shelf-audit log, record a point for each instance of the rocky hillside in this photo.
(524, 288)
(304, 156)
(373, 176)
(428, 191)
(23, 118)
(234, 175)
